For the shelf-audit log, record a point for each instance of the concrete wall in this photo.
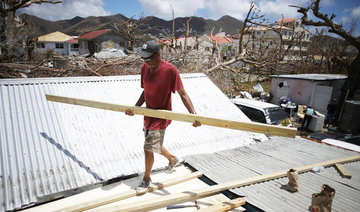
(52, 45)
(306, 92)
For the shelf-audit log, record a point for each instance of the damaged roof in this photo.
(278, 154)
(48, 148)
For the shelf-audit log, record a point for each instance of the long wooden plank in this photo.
(343, 172)
(165, 114)
(172, 199)
(102, 196)
(224, 206)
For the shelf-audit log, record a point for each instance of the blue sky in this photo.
(346, 10)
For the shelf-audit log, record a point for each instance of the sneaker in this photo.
(143, 187)
(171, 167)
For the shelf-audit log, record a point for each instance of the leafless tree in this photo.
(257, 52)
(326, 20)
(131, 28)
(8, 10)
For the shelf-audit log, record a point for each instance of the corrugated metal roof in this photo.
(315, 77)
(54, 37)
(47, 148)
(94, 34)
(279, 154)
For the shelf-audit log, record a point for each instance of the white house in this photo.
(56, 41)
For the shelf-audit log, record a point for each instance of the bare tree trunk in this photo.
(3, 41)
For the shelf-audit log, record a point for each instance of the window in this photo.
(253, 114)
(59, 45)
(258, 33)
(40, 45)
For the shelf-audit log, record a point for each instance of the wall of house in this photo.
(52, 45)
(304, 92)
(83, 47)
(72, 50)
(299, 91)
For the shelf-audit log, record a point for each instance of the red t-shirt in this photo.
(157, 91)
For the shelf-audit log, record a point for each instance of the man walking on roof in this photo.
(158, 79)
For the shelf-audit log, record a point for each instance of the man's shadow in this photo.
(73, 157)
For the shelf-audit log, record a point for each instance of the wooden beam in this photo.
(165, 114)
(172, 199)
(224, 206)
(343, 172)
(104, 195)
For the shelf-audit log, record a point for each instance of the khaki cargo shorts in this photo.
(154, 140)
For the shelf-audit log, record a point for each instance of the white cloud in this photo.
(235, 8)
(162, 8)
(215, 9)
(67, 10)
(355, 13)
(278, 9)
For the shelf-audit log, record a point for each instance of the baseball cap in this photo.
(148, 49)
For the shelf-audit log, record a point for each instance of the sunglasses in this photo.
(149, 58)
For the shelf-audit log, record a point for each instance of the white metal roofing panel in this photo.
(48, 147)
(315, 77)
(279, 154)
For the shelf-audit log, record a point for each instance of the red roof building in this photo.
(220, 39)
(94, 34)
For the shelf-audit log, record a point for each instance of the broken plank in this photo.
(224, 206)
(343, 172)
(172, 199)
(104, 195)
(166, 114)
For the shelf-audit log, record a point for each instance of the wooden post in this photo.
(166, 114)
(224, 206)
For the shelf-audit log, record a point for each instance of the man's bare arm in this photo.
(140, 102)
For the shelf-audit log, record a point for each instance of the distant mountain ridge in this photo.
(79, 25)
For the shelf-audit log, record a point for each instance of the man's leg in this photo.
(149, 161)
(167, 154)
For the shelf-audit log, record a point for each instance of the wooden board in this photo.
(165, 114)
(104, 195)
(224, 206)
(343, 172)
(177, 198)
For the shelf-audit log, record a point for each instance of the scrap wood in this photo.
(25, 67)
(172, 199)
(87, 68)
(105, 195)
(224, 206)
(343, 172)
(165, 114)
